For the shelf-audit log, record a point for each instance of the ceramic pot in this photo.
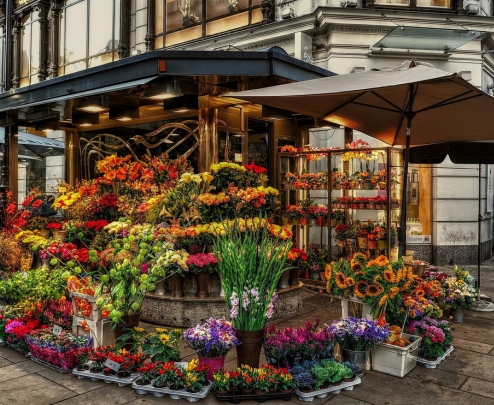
(303, 221)
(320, 221)
(362, 242)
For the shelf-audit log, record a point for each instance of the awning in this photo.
(36, 147)
(426, 39)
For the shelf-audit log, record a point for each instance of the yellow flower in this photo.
(138, 329)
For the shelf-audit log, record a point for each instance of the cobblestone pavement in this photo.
(465, 377)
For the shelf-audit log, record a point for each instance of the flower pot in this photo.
(372, 244)
(221, 392)
(312, 222)
(354, 206)
(284, 280)
(303, 221)
(249, 350)
(341, 243)
(45, 233)
(333, 222)
(177, 285)
(209, 249)
(294, 276)
(314, 276)
(322, 276)
(320, 221)
(362, 242)
(382, 244)
(160, 288)
(284, 221)
(60, 234)
(202, 282)
(194, 249)
(458, 314)
(358, 358)
(295, 221)
(128, 321)
(351, 242)
(361, 206)
(214, 363)
(306, 274)
(260, 392)
(337, 186)
(371, 206)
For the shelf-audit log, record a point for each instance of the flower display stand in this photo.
(366, 309)
(434, 363)
(173, 394)
(395, 360)
(79, 300)
(100, 331)
(237, 398)
(333, 390)
(108, 379)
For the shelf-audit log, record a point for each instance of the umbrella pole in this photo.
(479, 238)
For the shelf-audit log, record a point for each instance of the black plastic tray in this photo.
(237, 398)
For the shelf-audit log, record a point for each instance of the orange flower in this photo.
(328, 271)
(340, 280)
(420, 292)
(389, 276)
(393, 291)
(360, 288)
(383, 300)
(350, 282)
(373, 290)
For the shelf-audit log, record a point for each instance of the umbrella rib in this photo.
(452, 100)
(375, 106)
(396, 108)
(345, 103)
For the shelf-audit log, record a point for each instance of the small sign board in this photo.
(57, 330)
(419, 239)
(113, 365)
(238, 157)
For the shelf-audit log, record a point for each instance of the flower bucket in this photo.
(60, 234)
(202, 284)
(320, 221)
(358, 358)
(249, 350)
(362, 243)
(214, 363)
(303, 221)
(458, 314)
(382, 244)
(129, 321)
(372, 244)
(284, 280)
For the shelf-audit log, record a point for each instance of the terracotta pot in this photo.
(294, 276)
(128, 321)
(177, 285)
(194, 249)
(214, 363)
(249, 350)
(202, 282)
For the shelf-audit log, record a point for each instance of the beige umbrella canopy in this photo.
(444, 107)
(389, 104)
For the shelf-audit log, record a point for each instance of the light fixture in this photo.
(124, 113)
(237, 135)
(47, 126)
(92, 105)
(163, 92)
(181, 104)
(84, 119)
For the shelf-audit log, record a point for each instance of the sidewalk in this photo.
(466, 376)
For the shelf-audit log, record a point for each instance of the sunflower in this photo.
(419, 292)
(360, 288)
(376, 279)
(328, 271)
(356, 266)
(399, 275)
(371, 263)
(393, 291)
(340, 280)
(358, 273)
(350, 282)
(383, 300)
(372, 290)
(389, 276)
(382, 260)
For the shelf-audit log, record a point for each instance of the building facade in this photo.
(57, 54)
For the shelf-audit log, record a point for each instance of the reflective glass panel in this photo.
(25, 46)
(101, 27)
(75, 32)
(182, 13)
(216, 8)
(158, 16)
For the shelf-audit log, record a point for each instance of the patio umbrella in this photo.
(386, 103)
(459, 153)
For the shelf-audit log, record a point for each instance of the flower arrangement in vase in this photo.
(459, 291)
(202, 264)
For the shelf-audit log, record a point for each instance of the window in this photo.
(2, 58)
(415, 3)
(30, 49)
(89, 34)
(178, 21)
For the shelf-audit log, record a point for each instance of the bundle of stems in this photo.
(250, 262)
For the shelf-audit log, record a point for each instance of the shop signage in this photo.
(416, 239)
(22, 2)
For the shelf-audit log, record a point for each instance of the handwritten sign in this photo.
(419, 239)
(57, 330)
(113, 365)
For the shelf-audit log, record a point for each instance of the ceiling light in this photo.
(163, 92)
(84, 119)
(47, 126)
(92, 105)
(239, 135)
(181, 104)
(124, 113)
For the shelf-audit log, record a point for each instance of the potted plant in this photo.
(341, 234)
(250, 273)
(162, 345)
(202, 265)
(459, 292)
(433, 338)
(211, 341)
(221, 382)
(354, 344)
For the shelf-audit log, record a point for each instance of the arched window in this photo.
(89, 34)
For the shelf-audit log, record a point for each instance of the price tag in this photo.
(154, 189)
(62, 190)
(57, 330)
(2, 308)
(238, 157)
(113, 365)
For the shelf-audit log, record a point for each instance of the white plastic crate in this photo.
(94, 314)
(366, 309)
(395, 360)
(100, 331)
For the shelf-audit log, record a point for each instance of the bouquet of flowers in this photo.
(358, 334)
(459, 290)
(214, 338)
(202, 263)
(436, 336)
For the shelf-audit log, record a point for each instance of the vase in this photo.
(45, 233)
(128, 321)
(314, 275)
(320, 221)
(362, 242)
(371, 244)
(214, 363)
(60, 234)
(382, 244)
(357, 358)
(303, 221)
(194, 249)
(202, 282)
(294, 276)
(284, 280)
(177, 285)
(249, 350)
(222, 290)
(160, 288)
(458, 314)
(209, 249)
